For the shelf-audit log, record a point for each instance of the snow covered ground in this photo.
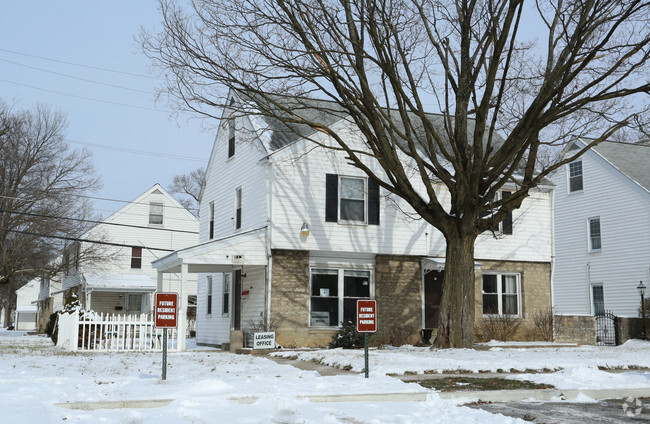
(202, 383)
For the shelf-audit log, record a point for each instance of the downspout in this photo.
(553, 250)
(269, 222)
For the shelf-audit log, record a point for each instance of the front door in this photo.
(432, 298)
(236, 307)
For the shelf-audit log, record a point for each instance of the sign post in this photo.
(366, 323)
(165, 316)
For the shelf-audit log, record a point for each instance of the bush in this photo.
(348, 337)
(400, 334)
(499, 327)
(52, 329)
(543, 319)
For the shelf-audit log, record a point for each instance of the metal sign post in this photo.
(366, 323)
(165, 316)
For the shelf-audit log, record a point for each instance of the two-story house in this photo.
(602, 228)
(26, 317)
(116, 277)
(292, 236)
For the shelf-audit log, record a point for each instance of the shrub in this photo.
(543, 319)
(499, 327)
(400, 334)
(348, 337)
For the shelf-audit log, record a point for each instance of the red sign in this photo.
(366, 316)
(166, 310)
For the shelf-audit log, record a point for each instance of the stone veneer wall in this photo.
(290, 301)
(535, 292)
(579, 329)
(398, 291)
(628, 328)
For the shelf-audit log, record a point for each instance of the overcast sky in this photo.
(38, 36)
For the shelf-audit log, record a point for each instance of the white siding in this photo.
(211, 329)
(624, 212)
(225, 175)
(299, 196)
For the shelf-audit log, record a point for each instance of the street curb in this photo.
(115, 404)
(544, 394)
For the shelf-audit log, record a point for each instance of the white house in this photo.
(26, 317)
(120, 278)
(292, 235)
(602, 229)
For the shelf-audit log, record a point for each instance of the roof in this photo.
(120, 282)
(328, 112)
(630, 159)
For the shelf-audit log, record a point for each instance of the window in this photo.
(231, 137)
(136, 257)
(351, 200)
(238, 201)
(226, 294)
(211, 220)
(334, 294)
(595, 242)
(501, 294)
(575, 176)
(208, 291)
(597, 299)
(155, 213)
(505, 226)
(133, 304)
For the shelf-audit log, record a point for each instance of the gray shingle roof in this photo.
(633, 160)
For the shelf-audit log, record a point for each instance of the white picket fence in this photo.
(110, 332)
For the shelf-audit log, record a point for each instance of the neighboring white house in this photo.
(26, 318)
(292, 235)
(121, 280)
(602, 229)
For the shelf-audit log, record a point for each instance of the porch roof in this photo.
(120, 282)
(222, 255)
(431, 263)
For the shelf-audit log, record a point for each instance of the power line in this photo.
(140, 152)
(91, 221)
(85, 98)
(80, 65)
(77, 78)
(107, 243)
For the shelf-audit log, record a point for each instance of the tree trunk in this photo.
(456, 320)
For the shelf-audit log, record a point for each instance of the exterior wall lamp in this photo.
(304, 230)
(641, 288)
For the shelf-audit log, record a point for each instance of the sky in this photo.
(42, 42)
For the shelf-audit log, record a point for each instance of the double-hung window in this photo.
(231, 137)
(136, 257)
(226, 294)
(238, 204)
(575, 176)
(208, 295)
(505, 226)
(334, 293)
(211, 230)
(595, 242)
(597, 299)
(351, 200)
(501, 294)
(156, 213)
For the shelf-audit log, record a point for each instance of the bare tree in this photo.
(507, 101)
(43, 207)
(187, 189)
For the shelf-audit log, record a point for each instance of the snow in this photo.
(419, 360)
(34, 376)
(204, 384)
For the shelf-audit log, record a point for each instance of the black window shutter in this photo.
(373, 202)
(331, 198)
(507, 221)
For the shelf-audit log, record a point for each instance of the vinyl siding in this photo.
(624, 212)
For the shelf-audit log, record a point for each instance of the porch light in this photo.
(304, 230)
(641, 288)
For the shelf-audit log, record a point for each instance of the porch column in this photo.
(159, 285)
(182, 312)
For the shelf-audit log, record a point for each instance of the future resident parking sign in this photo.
(366, 316)
(166, 310)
